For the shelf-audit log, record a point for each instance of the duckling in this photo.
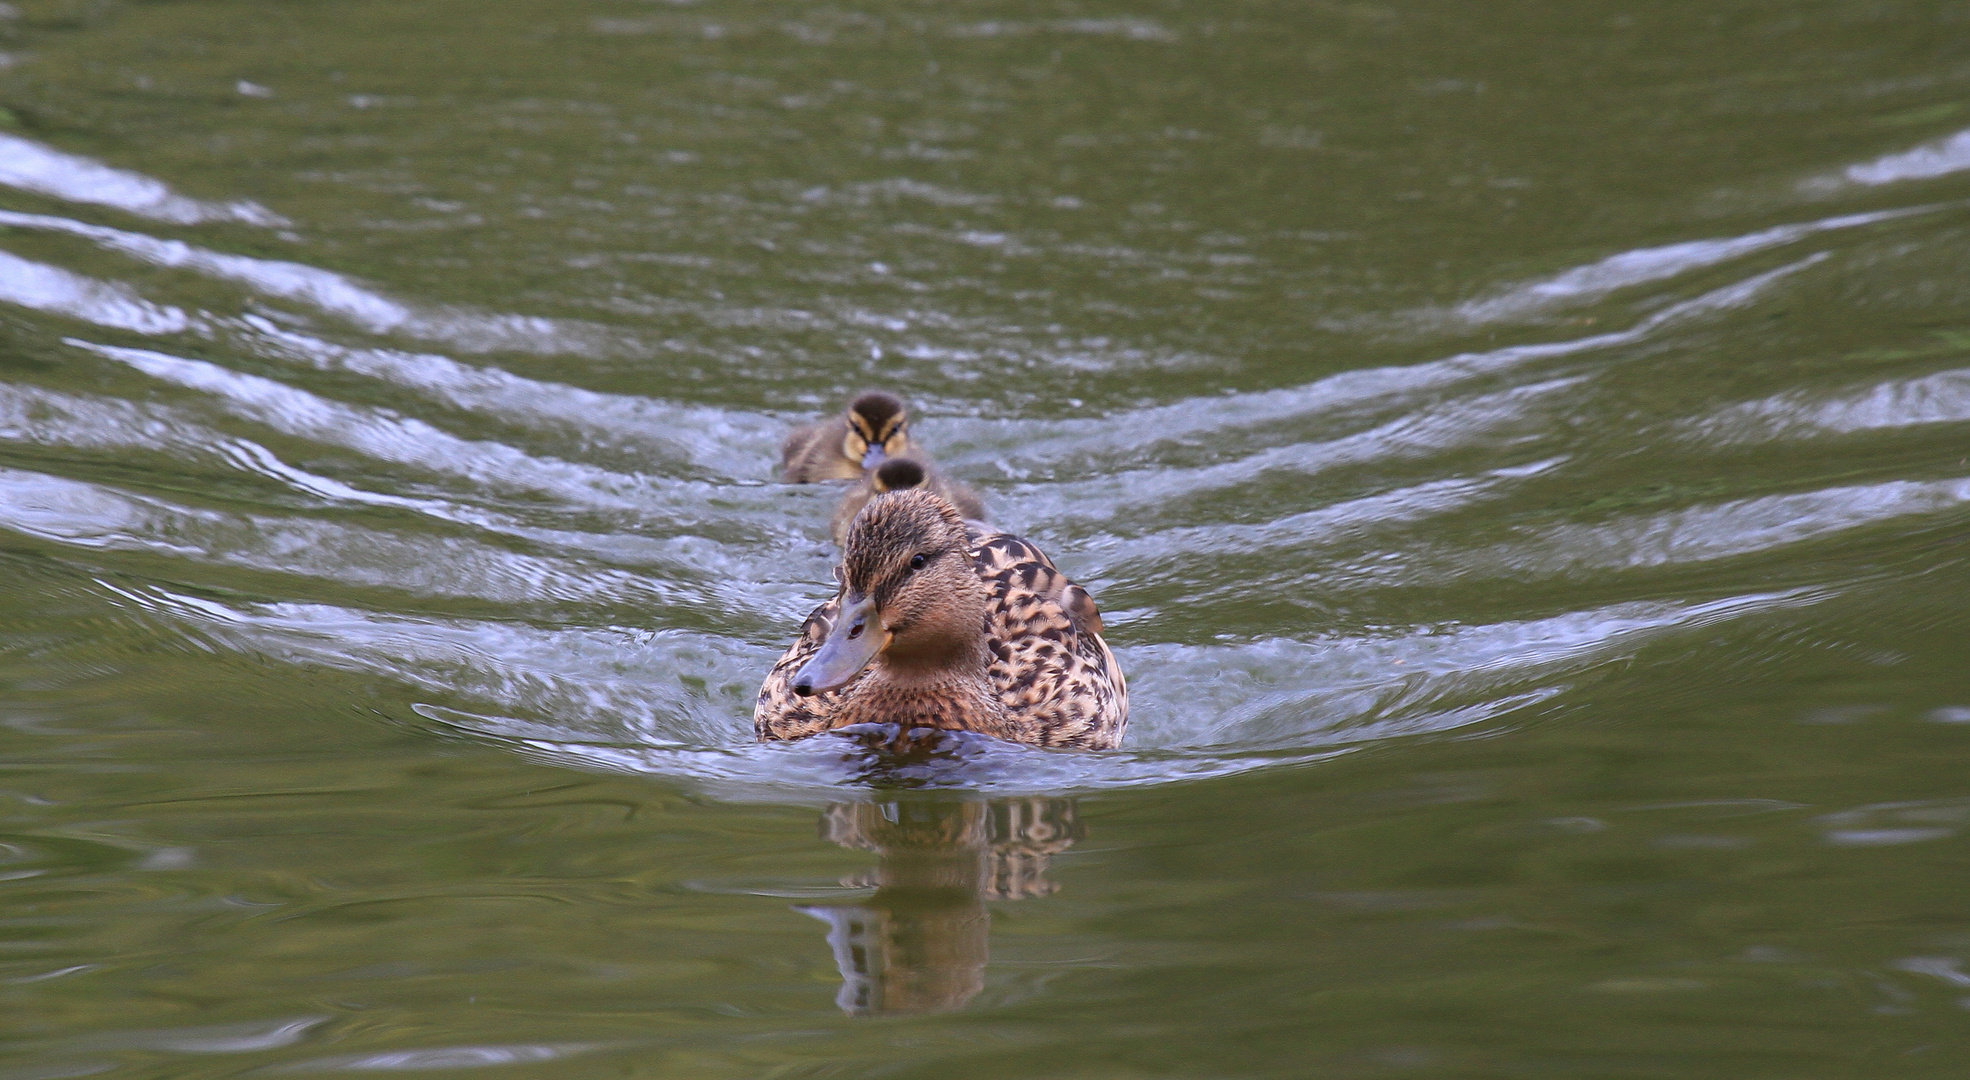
(899, 474)
(937, 628)
(876, 426)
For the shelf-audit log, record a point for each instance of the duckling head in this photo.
(898, 474)
(878, 428)
(909, 596)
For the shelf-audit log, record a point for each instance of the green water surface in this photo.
(1522, 453)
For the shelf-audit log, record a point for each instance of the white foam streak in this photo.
(1460, 426)
(1706, 533)
(1942, 398)
(1939, 158)
(477, 467)
(1134, 29)
(36, 416)
(337, 295)
(425, 1059)
(681, 570)
(699, 572)
(78, 514)
(59, 292)
(41, 417)
(251, 457)
(1590, 283)
(1323, 528)
(614, 683)
(244, 1038)
(400, 440)
(1348, 392)
(704, 436)
(712, 438)
(30, 166)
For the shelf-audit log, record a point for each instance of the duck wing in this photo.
(1049, 665)
(778, 712)
(812, 452)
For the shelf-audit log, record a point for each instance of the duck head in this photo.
(910, 597)
(898, 474)
(878, 428)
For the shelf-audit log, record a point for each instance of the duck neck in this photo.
(941, 647)
(935, 676)
(935, 666)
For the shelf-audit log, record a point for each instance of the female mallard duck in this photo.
(902, 474)
(934, 628)
(845, 447)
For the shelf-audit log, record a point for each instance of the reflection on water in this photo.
(920, 944)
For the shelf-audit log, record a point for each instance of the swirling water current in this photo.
(1522, 453)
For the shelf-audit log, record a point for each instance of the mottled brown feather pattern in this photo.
(1050, 680)
(779, 713)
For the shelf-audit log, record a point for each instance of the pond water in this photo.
(1522, 453)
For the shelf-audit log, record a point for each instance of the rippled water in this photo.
(1520, 453)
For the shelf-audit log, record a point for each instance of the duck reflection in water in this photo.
(920, 943)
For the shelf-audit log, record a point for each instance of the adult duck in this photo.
(938, 627)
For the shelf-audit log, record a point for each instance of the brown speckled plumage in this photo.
(902, 474)
(989, 636)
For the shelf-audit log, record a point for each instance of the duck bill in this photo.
(855, 640)
(874, 457)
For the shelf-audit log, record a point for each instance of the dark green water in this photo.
(1522, 450)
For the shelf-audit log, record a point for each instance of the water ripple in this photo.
(677, 703)
(1926, 162)
(30, 166)
(335, 294)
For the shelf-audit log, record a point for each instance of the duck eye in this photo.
(918, 560)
